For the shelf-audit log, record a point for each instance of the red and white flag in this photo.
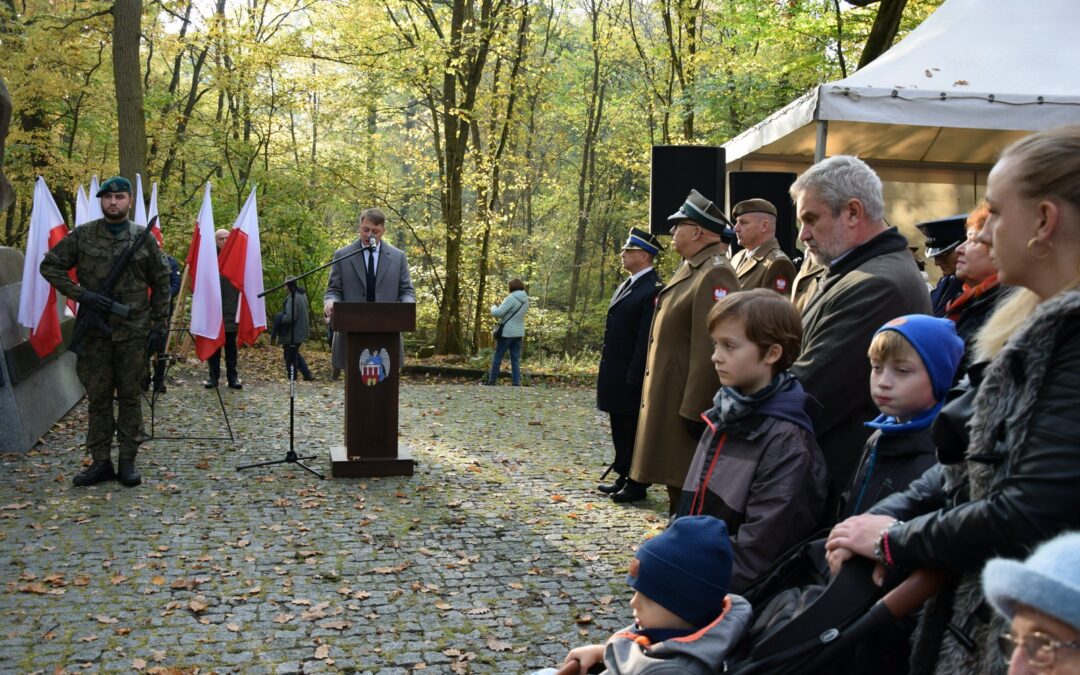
(241, 263)
(207, 325)
(151, 213)
(37, 299)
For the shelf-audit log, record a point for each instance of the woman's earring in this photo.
(1034, 243)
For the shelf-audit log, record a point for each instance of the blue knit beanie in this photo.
(686, 569)
(1048, 581)
(937, 344)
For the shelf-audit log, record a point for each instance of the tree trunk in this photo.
(127, 74)
(883, 32)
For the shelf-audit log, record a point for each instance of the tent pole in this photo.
(821, 140)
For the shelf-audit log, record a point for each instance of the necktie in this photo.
(620, 290)
(371, 276)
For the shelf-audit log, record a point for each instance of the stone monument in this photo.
(34, 392)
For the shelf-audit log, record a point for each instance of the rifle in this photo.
(89, 317)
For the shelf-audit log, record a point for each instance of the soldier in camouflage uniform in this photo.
(761, 263)
(116, 362)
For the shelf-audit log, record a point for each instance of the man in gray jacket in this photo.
(379, 274)
(870, 279)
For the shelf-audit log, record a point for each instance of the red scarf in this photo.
(953, 309)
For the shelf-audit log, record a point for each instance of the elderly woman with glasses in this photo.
(982, 289)
(1041, 597)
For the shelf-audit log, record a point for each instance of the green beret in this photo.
(753, 206)
(114, 184)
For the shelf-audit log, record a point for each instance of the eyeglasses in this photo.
(1040, 649)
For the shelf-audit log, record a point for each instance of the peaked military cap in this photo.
(114, 184)
(640, 239)
(756, 205)
(706, 214)
(944, 235)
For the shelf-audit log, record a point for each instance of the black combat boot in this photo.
(126, 473)
(633, 491)
(619, 484)
(98, 472)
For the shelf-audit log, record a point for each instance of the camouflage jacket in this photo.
(91, 250)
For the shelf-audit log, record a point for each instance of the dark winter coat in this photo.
(764, 476)
(889, 463)
(626, 342)
(295, 318)
(1016, 488)
(872, 284)
(947, 289)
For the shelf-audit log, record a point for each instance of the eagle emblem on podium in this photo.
(374, 367)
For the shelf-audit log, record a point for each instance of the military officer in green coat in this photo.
(113, 363)
(761, 263)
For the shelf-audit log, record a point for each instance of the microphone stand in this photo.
(291, 353)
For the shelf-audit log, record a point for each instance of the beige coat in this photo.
(767, 266)
(680, 381)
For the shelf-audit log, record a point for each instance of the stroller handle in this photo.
(913, 591)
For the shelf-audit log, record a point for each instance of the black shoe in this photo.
(209, 384)
(633, 491)
(619, 483)
(309, 378)
(236, 384)
(98, 472)
(126, 473)
(160, 388)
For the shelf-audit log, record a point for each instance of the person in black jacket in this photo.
(622, 358)
(1017, 482)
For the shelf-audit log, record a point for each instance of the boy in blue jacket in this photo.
(913, 361)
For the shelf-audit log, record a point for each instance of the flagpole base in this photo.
(343, 466)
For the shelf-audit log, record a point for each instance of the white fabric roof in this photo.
(973, 77)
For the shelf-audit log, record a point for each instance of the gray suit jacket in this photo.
(348, 282)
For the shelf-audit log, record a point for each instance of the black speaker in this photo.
(677, 169)
(772, 186)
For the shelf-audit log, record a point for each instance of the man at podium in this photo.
(379, 274)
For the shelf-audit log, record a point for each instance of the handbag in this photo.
(497, 332)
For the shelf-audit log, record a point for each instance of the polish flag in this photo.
(82, 208)
(37, 299)
(140, 203)
(151, 214)
(241, 263)
(207, 325)
(93, 202)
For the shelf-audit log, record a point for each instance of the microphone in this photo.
(371, 243)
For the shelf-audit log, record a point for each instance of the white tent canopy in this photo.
(973, 77)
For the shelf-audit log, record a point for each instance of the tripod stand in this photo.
(290, 457)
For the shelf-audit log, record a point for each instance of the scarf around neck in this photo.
(734, 405)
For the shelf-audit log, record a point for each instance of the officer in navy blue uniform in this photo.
(626, 341)
(942, 239)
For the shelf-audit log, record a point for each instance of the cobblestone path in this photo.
(496, 557)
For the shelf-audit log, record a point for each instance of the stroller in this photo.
(805, 622)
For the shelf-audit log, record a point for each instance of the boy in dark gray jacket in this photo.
(684, 619)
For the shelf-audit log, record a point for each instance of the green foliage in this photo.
(334, 106)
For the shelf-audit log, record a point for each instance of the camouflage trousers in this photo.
(106, 368)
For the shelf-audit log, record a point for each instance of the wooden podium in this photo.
(372, 333)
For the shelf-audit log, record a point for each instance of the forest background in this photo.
(503, 138)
